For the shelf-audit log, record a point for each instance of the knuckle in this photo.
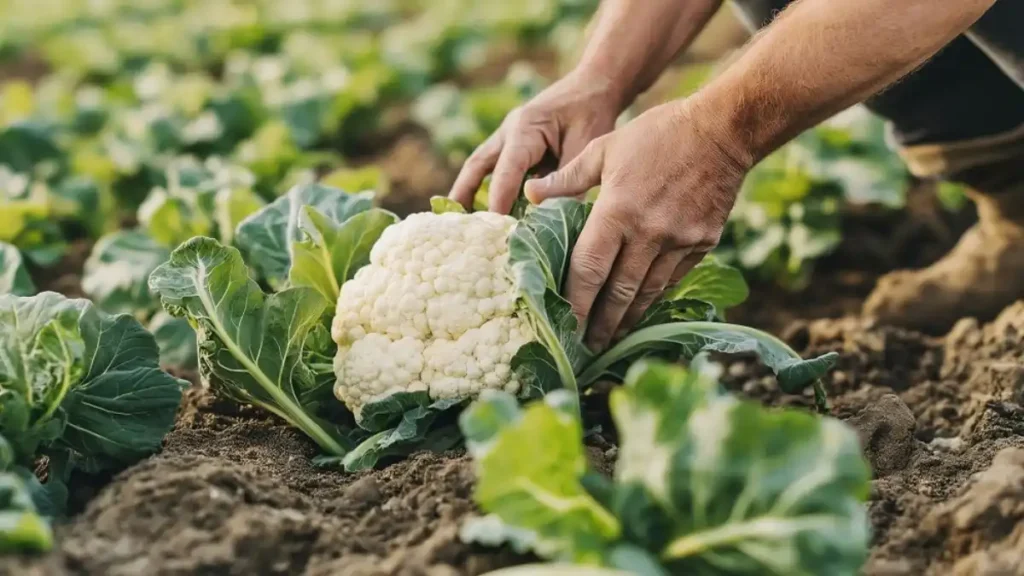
(648, 294)
(586, 267)
(593, 147)
(619, 293)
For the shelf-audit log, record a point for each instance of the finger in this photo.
(658, 279)
(574, 179)
(576, 139)
(684, 267)
(476, 168)
(619, 292)
(591, 261)
(520, 153)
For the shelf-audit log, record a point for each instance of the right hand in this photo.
(562, 119)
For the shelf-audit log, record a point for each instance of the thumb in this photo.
(574, 179)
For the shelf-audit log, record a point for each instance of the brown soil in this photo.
(235, 493)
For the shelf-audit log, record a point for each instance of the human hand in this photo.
(562, 119)
(668, 181)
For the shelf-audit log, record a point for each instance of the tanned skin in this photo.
(669, 178)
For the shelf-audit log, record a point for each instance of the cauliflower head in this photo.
(435, 310)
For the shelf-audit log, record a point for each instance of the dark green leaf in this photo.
(539, 252)
(176, 340)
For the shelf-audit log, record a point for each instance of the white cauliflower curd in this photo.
(435, 310)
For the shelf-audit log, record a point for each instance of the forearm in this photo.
(633, 41)
(820, 57)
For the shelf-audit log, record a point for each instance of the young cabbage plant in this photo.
(79, 387)
(704, 483)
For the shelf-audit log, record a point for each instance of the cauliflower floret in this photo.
(435, 310)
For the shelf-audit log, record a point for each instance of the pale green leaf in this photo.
(528, 468)
(89, 381)
(117, 271)
(736, 487)
(539, 250)
(713, 282)
(441, 204)
(172, 219)
(332, 252)
(14, 278)
(232, 205)
(703, 483)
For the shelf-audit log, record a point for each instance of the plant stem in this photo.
(763, 528)
(661, 332)
(295, 414)
(550, 340)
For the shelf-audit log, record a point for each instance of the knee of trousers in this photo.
(988, 164)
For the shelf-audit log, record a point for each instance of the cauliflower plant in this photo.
(435, 310)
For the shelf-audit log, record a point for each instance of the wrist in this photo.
(705, 117)
(612, 89)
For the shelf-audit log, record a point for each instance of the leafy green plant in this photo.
(704, 483)
(80, 388)
(199, 199)
(788, 214)
(274, 349)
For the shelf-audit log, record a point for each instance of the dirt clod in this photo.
(886, 432)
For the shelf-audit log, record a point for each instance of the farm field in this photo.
(210, 175)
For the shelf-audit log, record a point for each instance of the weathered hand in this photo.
(562, 119)
(668, 181)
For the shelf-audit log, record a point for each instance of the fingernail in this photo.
(533, 187)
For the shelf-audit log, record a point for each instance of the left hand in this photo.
(668, 181)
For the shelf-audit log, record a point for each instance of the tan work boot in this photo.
(983, 273)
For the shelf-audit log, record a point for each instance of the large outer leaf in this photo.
(76, 379)
(14, 278)
(332, 251)
(733, 487)
(704, 483)
(539, 252)
(687, 339)
(268, 236)
(529, 464)
(251, 344)
(117, 271)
